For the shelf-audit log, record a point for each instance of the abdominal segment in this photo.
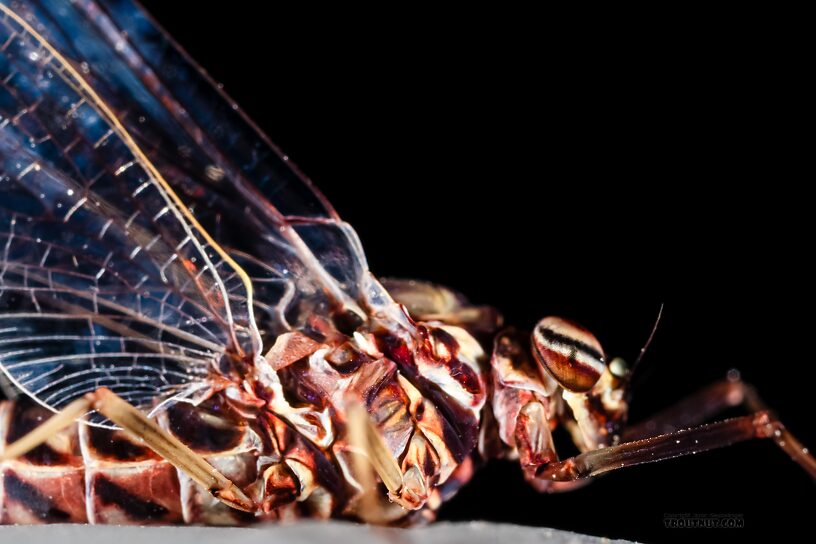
(280, 437)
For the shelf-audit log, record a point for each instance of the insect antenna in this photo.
(631, 371)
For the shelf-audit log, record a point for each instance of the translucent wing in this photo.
(237, 181)
(106, 278)
(123, 174)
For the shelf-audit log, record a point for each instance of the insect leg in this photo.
(132, 420)
(170, 448)
(425, 460)
(364, 437)
(712, 400)
(697, 408)
(59, 421)
(520, 403)
(431, 302)
(657, 448)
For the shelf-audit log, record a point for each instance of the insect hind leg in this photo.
(144, 429)
(59, 421)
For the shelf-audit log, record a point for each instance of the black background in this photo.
(544, 168)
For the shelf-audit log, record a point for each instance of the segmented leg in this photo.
(428, 301)
(133, 421)
(47, 483)
(390, 431)
(409, 482)
(658, 437)
(711, 401)
(521, 406)
(53, 425)
(376, 460)
(521, 403)
(697, 439)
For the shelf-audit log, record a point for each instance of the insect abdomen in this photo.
(93, 475)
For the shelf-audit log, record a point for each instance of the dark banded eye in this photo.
(569, 353)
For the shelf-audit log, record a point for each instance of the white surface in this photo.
(300, 533)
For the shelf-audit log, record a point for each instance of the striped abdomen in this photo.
(92, 475)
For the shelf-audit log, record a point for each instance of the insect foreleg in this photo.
(524, 401)
(709, 402)
(521, 403)
(658, 437)
(658, 448)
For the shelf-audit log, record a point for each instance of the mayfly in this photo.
(192, 335)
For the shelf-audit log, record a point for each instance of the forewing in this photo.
(242, 188)
(106, 277)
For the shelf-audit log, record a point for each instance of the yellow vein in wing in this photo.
(178, 204)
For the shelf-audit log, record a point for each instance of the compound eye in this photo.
(569, 353)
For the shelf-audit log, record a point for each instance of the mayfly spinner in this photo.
(196, 336)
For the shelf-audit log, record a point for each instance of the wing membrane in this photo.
(234, 178)
(105, 274)
(124, 173)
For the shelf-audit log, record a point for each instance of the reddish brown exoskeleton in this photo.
(207, 332)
